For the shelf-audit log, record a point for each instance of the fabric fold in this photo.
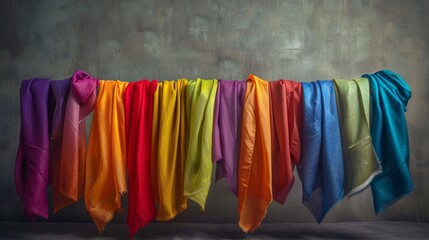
(322, 169)
(389, 98)
(361, 164)
(200, 99)
(138, 106)
(32, 158)
(286, 130)
(227, 129)
(58, 95)
(68, 185)
(254, 173)
(105, 180)
(169, 145)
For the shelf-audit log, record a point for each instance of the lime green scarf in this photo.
(200, 101)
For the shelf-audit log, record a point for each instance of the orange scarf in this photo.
(254, 173)
(105, 180)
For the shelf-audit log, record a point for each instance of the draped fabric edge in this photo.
(363, 186)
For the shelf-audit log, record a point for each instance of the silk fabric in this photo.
(254, 173)
(59, 92)
(69, 184)
(105, 180)
(138, 105)
(169, 147)
(32, 158)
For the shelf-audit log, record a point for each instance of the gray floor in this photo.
(176, 231)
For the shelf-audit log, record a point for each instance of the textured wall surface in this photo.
(302, 40)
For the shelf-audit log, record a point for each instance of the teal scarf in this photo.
(389, 98)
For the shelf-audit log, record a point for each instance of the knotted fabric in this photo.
(32, 158)
(286, 129)
(389, 98)
(138, 104)
(227, 129)
(200, 99)
(68, 185)
(105, 180)
(254, 173)
(322, 168)
(169, 145)
(361, 164)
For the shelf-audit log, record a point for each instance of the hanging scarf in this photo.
(105, 180)
(68, 184)
(227, 129)
(361, 164)
(286, 128)
(321, 169)
(254, 173)
(58, 95)
(32, 158)
(200, 99)
(389, 98)
(169, 148)
(138, 105)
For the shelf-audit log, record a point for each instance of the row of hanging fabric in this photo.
(342, 135)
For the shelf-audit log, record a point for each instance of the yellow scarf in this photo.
(200, 99)
(169, 148)
(254, 172)
(105, 179)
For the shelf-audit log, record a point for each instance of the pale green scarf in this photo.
(361, 164)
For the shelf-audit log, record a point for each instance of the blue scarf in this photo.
(321, 169)
(389, 98)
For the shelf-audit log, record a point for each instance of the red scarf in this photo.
(286, 129)
(138, 129)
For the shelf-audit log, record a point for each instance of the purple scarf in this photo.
(227, 129)
(32, 158)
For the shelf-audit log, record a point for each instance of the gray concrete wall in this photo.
(302, 40)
